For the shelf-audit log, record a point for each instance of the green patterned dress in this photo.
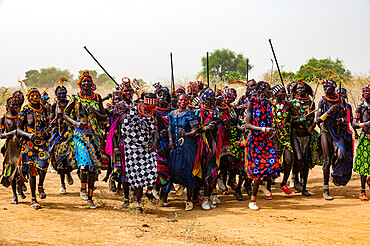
(362, 160)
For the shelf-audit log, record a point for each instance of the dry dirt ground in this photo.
(294, 220)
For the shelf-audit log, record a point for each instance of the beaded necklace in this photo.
(142, 113)
(334, 98)
(11, 117)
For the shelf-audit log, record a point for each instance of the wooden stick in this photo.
(172, 76)
(207, 71)
(101, 66)
(277, 65)
(247, 69)
(272, 69)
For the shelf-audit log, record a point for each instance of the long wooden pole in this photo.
(247, 70)
(101, 66)
(277, 64)
(272, 69)
(207, 71)
(172, 76)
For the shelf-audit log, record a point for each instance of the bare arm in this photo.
(249, 126)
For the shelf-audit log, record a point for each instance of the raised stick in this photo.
(101, 66)
(277, 64)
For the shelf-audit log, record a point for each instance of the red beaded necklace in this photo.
(334, 98)
(142, 113)
(11, 117)
(92, 97)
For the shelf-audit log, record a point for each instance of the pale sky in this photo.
(134, 38)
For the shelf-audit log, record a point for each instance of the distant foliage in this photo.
(323, 69)
(224, 61)
(46, 77)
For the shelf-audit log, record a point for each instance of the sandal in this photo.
(363, 197)
(35, 205)
(225, 193)
(42, 193)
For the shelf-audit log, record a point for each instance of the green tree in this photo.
(323, 69)
(221, 62)
(46, 77)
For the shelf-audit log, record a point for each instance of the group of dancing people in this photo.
(196, 138)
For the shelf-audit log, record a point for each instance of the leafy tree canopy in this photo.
(224, 61)
(46, 77)
(323, 69)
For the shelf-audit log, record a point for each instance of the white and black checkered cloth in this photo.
(140, 164)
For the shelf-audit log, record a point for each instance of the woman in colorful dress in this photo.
(208, 157)
(114, 170)
(282, 112)
(60, 142)
(163, 110)
(362, 160)
(182, 129)
(33, 126)
(11, 148)
(87, 110)
(261, 159)
(237, 151)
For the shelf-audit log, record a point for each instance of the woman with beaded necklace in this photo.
(305, 143)
(60, 144)
(208, 156)
(87, 110)
(336, 140)
(282, 112)
(140, 137)
(182, 129)
(163, 109)
(261, 159)
(11, 148)
(33, 125)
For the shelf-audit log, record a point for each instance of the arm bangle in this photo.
(324, 116)
(361, 125)
(264, 129)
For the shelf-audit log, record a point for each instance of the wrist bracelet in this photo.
(264, 129)
(324, 116)
(362, 125)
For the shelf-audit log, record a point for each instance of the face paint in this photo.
(34, 96)
(128, 93)
(183, 102)
(150, 103)
(366, 92)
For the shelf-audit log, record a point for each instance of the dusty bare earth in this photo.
(294, 220)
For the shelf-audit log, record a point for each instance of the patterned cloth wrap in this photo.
(342, 139)
(225, 130)
(164, 171)
(86, 141)
(12, 149)
(261, 158)
(60, 149)
(362, 160)
(209, 147)
(282, 124)
(34, 153)
(140, 163)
